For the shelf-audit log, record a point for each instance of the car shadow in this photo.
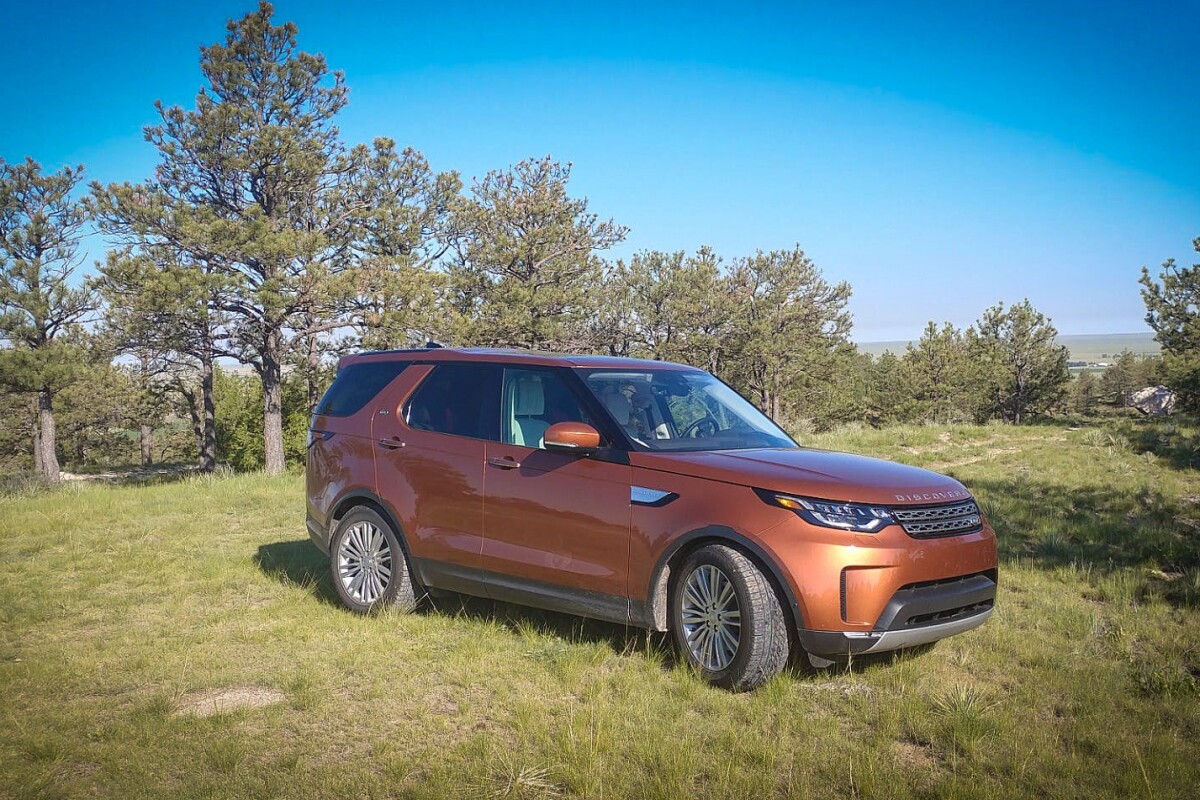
(298, 563)
(529, 621)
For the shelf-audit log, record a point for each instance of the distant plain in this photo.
(1082, 347)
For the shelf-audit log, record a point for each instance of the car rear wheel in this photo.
(367, 564)
(727, 619)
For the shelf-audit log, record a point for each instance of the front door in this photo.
(556, 522)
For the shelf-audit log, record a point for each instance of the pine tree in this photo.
(1023, 372)
(163, 311)
(1173, 312)
(525, 270)
(939, 375)
(399, 294)
(255, 184)
(1085, 393)
(42, 304)
(680, 307)
(889, 391)
(789, 335)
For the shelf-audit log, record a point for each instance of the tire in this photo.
(368, 565)
(704, 626)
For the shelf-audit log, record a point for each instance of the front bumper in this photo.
(857, 593)
(838, 644)
(916, 615)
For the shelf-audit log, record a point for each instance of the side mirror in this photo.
(572, 437)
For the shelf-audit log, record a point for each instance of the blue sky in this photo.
(938, 157)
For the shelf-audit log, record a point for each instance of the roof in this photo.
(499, 355)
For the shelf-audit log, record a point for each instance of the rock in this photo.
(1157, 401)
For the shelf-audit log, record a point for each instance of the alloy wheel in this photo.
(711, 617)
(365, 563)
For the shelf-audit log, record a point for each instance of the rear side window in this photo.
(356, 384)
(460, 399)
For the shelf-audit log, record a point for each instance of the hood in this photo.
(822, 474)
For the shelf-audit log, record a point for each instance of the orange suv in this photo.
(639, 492)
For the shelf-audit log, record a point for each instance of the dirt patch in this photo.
(844, 689)
(223, 701)
(77, 770)
(946, 441)
(441, 703)
(130, 475)
(962, 462)
(914, 756)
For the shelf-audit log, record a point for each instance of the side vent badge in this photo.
(640, 495)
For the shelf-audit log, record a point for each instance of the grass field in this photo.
(179, 640)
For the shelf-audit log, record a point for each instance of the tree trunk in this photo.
(314, 365)
(202, 410)
(193, 404)
(272, 381)
(48, 460)
(146, 437)
(37, 440)
(207, 417)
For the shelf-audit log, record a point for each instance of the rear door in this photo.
(556, 522)
(429, 465)
(340, 457)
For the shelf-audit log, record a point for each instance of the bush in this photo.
(239, 417)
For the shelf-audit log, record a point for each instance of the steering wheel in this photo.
(695, 431)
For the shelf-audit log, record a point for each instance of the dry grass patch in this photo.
(211, 702)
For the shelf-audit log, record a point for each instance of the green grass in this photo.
(124, 607)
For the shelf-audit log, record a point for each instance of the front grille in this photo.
(943, 520)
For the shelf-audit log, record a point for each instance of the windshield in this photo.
(661, 409)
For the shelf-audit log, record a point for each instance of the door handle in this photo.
(391, 443)
(506, 462)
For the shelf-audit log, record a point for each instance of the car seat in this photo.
(528, 401)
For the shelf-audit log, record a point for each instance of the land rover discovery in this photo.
(640, 492)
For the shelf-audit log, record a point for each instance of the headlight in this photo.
(844, 516)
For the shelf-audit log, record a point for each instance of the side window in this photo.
(456, 398)
(356, 385)
(532, 401)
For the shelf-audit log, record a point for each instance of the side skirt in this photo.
(520, 591)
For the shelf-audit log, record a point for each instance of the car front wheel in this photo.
(727, 619)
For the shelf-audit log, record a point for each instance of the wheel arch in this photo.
(365, 497)
(658, 592)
